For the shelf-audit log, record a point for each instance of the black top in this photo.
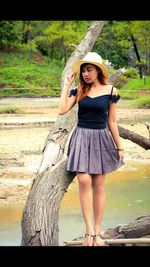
(93, 111)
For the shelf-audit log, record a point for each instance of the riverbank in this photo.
(23, 137)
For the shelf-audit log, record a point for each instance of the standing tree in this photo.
(137, 55)
(40, 215)
(26, 32)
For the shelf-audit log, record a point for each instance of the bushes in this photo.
(120, 82)
(131, 73)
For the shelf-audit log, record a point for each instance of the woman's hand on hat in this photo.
(69, 79)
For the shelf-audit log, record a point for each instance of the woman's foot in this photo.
(98, 241)
(88, 241)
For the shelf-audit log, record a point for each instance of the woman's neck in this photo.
(96, 84)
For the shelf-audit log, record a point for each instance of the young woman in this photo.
(95, 147)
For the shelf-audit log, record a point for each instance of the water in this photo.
(10, 225)
(127, 198)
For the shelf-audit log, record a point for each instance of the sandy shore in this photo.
(21, 148)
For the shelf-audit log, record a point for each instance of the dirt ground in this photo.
(21, 148)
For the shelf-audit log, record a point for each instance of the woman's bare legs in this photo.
(98, 204)
(86, 201)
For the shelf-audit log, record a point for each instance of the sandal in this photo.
(102, 243)
(88, 241)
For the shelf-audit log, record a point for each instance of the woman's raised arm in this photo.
(66, 102)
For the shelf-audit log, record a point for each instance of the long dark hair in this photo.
(84, 87)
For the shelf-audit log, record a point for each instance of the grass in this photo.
(22, 75)
(25, 75)
(137, 83)
(11, 110)
(135, 88)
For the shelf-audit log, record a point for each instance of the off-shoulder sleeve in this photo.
(73, 92)
(115, 98)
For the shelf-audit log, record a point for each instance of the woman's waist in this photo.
(92, 124)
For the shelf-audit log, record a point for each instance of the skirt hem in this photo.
(96, 172)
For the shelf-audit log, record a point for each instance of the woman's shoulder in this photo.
(112, 90)
(114, 95)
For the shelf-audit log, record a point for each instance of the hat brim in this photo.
(76, 66)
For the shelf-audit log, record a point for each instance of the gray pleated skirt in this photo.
(92, 151)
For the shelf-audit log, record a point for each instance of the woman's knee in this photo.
(84, 180)
(98, 181)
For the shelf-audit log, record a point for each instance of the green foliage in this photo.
(33, 66)
(131, 73)
(8, 32)
(141, 30)
(60, 38)
(110, 44)
(30, 74)
(135, 88)
(42, 44)
(115, 42)
(121, 81)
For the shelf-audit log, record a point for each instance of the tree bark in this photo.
(136, 229)
(134, 137)
(40, 215)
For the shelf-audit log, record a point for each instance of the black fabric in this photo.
(73, 92)
(93, 112)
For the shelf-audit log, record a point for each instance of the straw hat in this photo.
(91, 58)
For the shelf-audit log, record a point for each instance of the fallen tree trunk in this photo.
(134, 233)
(138, 228)
(134, 137)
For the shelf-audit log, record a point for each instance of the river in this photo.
(127, 197)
